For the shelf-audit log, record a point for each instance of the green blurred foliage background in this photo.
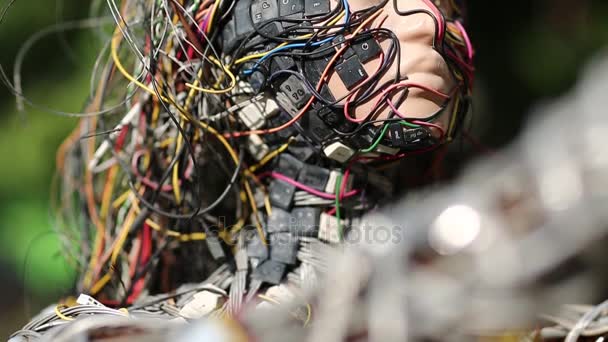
(526, 51)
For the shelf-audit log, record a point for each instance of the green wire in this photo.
(338, 185)
(383, 133)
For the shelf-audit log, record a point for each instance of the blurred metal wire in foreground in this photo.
(476, 258)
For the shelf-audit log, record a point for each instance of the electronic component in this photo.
(264, 10)
(283, 248)
(282, 135)
(290, 7)
(301, 149)
(314, 177)
(202, 304)
(348, 52)
(305, 221)
(351, 72)
(255, 114)
(256, 147)
(278, 221)
(367, 49)
(315, 128)
(330, 187)
(281, 194)
(289, 166)
(402, 137)
(329, 229)
(295, 90)
(242, 20)
(386, 149)
(282, 63)
(270, 271)
(256, 248)
(314, 8)
(215, 247)
(338, 152)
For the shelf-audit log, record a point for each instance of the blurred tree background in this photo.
(527, 51)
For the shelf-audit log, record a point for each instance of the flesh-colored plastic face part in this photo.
(420, 63)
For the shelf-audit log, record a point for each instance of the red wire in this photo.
(306, 106)
(347, 101)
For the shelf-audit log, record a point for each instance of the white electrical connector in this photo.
(84, 299)
(386, 150)
(329, 229)
(254, 115)
(201, 305)
(257, 147)
(339, 152)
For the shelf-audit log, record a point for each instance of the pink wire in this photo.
(307, 188)
(467, 41)
(147, 182)
(439, 16)
(409, 85)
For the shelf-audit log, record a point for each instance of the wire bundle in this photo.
(158, 190)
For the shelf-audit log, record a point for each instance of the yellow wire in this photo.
(60, 314)
(182, 111)
(215, 91)
(198, 236)
(166, 143)
(101, 283)
(255, 212)
(121, 199)
(262, 54)
(107, 195)
(270, 156)
(453, 118)
(175, 178)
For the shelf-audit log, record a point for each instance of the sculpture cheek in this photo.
(418, 28)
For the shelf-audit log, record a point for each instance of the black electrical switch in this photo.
(284, 248)
(367, 50)
(351, 72)
(315, 128)
(278, 221)
(296, 91)
(314, 8)
(314, 177)
(289, 166)
(397, 135)
(282, 63)
(281, 194)
(243, 23)
(264, 10)
(416, 135)
(290, 7)
(256, 248)
(306, 221)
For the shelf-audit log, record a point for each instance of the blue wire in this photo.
(297, 45)
(289, 46)
(346, 11)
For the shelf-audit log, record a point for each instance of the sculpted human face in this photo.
(420, 62)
